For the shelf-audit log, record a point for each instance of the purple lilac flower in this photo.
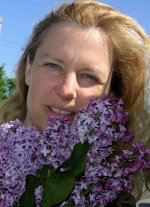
(17, 152)
(102, 123)
(24, 151)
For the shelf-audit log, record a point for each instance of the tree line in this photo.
(7, 85)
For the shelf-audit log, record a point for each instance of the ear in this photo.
(28, 71)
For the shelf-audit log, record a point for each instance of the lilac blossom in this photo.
(24, 151)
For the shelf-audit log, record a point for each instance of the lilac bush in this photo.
(25, 151)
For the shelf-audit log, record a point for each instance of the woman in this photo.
(76, 53)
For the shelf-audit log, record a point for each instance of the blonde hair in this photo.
(127, 40)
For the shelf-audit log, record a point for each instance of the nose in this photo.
(67, 88)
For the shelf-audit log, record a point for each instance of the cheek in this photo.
(94, 92)
(41, 86)
(89, 93)
(36, 94)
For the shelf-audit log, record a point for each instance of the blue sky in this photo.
(19, 16)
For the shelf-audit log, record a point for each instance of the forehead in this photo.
(75, 40)
(72, 31)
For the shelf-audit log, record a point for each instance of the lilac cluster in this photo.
(18, 147)
(102, 123)
(24, 151)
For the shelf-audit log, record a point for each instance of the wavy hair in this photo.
(128, 43)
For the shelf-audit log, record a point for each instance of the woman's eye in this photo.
(90, 77)
(53, 66)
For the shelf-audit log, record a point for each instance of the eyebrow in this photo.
(51, 56)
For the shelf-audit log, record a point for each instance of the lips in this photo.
(60, 112)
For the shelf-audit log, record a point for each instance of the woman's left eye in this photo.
(90, 77)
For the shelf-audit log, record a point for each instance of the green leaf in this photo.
(57, 189)
(57, 184)
(27, 199)
(45, 172)
(76, 164)
(32, 182)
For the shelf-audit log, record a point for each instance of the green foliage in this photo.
(32, 182)
(57, 183)
(57, 189)
(7, 85)
(2, 84)
(10, 85)
(78, 156)
(28, 199)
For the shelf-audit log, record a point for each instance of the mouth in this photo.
(57, 111)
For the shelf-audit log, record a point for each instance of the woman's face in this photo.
(71, 66)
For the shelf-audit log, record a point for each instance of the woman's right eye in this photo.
(52, 66)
